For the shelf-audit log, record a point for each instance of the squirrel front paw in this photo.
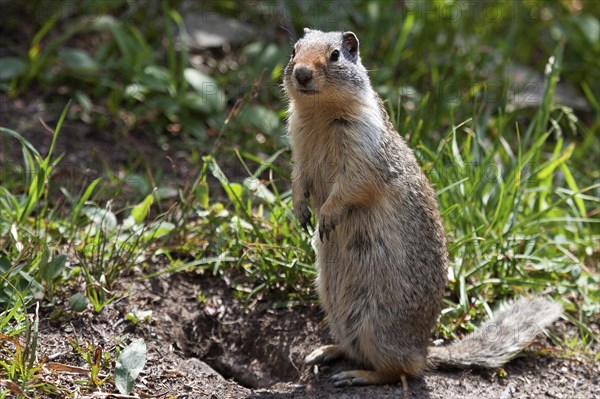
(329, 217)
(302, 211)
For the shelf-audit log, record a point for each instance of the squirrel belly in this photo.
(381, 248)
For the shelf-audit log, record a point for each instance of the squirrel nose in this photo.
(303, 75)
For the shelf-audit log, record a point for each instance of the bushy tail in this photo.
(510, 329)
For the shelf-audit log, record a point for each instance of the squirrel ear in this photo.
(306, 30)
(350, 42)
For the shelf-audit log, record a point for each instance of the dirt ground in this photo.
(221, 348)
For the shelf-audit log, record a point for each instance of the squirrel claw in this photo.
(324, 354)
(304, 216)
(342, 383)
(325, 229)
(346, 379)
(325, 232)
(306, 224)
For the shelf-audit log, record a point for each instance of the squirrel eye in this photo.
(293, 52)
(335, 55)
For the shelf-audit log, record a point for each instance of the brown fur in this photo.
(381, 248)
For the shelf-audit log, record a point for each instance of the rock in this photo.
(207, 29)
(527, 90)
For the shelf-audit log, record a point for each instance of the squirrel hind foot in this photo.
(324, 354)
(369, 377)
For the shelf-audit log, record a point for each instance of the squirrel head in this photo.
(325, 67)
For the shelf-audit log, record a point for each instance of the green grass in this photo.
(517, 188)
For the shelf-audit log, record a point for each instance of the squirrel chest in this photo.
(327, 151)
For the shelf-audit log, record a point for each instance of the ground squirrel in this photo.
(381, 248)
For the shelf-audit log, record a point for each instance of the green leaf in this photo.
(78, 60)
(11, 67)
(590, 27)
(140, 212)
(130, 363)
(159, 229)
(573, 186)
(552, 71)
(194, 127)
(54, 268)
(234, 191)
(548, 168)
(139, 183)
(402, 36)
(4, 265)
(257, 188)
(170, 107)
(201, 82)
(195, 102)
(101, 217)
(139, 315)
(158, 79)
(261, 118)
(206, 87)
(202, 194)
(79, 302)
(124, 41)
(86, 196)
(163, 193)
(24, 142)
(216, 171)
(104, 23)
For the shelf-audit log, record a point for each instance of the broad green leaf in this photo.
(206, 87)
(84, 101)
(139, 183)
(140, 211)
(79, 302)
(54, 268)
(195, 102)
(590, 26)
(216, 171)
(11, 67)
(4, 265)
(159, 229)
(78, 60)
(234, 191)
(259, 189)
(101, 217)
(104, 22)
(200, 81)
(165, 193)
(170, 107)
(261, 118)
(130, 363)
(158, 79)
(138, 315)
(194, 127)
